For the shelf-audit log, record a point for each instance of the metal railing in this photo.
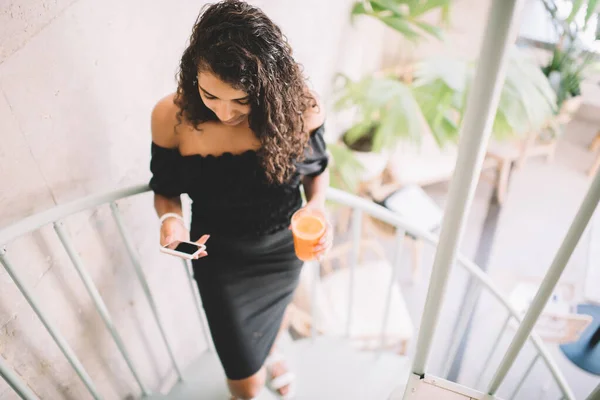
(55, 216)
(480, 277)
(360, 207)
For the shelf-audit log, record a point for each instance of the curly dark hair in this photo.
(243, 47)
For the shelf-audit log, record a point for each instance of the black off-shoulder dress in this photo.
(251, 272)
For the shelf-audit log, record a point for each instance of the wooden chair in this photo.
(509, 154)
(559, 322)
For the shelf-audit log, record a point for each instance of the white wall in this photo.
(78, 79)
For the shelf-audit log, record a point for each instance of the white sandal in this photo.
(286, 379)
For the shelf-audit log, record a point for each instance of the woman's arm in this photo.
(315, 189)
(163, 134)
(163, 123)
(315, 186)
(164, 205)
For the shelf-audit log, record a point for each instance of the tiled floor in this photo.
(542, 200)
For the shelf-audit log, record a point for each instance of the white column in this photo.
(482, 103)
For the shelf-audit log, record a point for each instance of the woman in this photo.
(239, 136)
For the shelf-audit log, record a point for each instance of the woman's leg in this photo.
(249, 388)
(279, 368)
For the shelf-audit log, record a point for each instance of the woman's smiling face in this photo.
(230, 105)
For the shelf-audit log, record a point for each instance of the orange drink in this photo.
(308, 226)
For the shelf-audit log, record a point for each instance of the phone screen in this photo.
(183, 247)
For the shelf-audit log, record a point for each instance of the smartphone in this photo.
(187, 250)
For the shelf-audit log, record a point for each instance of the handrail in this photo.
(388, 216)
(364, 206)
(15, 383)
(36, 221)
(55, 216)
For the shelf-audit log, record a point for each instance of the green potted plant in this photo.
(570, 61)
(526, 103)
(384, 107)
(388, 108)
(385, 111)
(566, 71)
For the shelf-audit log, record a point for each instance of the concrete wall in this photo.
(78, 79)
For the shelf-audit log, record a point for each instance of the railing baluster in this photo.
(36, 221)
(58, 338)
(15, 382)
(142, 278)
(525, 375)
(463, 322)
(197, 301)
(357, 218)
(595, 395)
(398, 247)
(559, 263)
(97, 299)
(316, 266)
(488, 359)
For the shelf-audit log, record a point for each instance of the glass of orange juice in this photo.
(308, 227)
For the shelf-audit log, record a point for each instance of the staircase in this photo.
(329, 368)
(342, 373)
(326, 367)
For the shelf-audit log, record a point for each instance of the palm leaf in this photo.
(431, 29)
(401, 25)
(577, 4)
(526, 100)
(381, 103)
(423, 7)
(592, 5)
(388, 5)
(403, 15)
(345, 170)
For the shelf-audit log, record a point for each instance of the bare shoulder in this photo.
(314, 116)
(164, 121)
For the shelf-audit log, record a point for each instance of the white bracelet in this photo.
(170, 215)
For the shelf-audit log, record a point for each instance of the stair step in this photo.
(326, 368)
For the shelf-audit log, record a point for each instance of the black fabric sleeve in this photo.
(167, 171)
(315, 156)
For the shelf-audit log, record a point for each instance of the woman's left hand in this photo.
(324, 245)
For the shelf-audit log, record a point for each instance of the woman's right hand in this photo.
(171, 230)
(174, 229)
